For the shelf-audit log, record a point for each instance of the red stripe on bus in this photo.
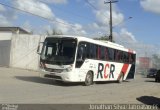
(124, 69)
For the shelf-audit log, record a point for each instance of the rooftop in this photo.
(16, 30)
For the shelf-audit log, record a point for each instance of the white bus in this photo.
(81, 59)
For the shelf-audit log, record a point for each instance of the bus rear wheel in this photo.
(120, 79)
(89, 79)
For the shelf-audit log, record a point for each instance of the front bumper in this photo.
(63, 76)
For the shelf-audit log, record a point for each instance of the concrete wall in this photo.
(5, 36)
(23, 51)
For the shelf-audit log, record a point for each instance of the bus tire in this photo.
(156, 80)
(59, 82)
(120, 79)
(89, 79)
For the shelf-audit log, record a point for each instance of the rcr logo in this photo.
(102, 70)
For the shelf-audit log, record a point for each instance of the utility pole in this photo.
(110, 23)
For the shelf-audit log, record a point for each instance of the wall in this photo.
(5, 36)
(24, 51)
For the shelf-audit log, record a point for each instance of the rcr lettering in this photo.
(102, 70)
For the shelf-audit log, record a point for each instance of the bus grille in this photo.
(53, 76)
(54, 70)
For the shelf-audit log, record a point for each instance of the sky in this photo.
(136, 23)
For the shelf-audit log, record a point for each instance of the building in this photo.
(13, 30)
(143, 64)
(6, 34)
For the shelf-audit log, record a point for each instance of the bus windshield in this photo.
(59, 51)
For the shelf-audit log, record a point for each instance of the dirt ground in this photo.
(24, 86)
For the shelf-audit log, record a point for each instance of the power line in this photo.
(53, 20)
(39, 8)
(68, 11)
(94, 7)
(40, 1)
(91, 5)
(125, 20)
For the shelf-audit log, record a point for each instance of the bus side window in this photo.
(106, 53)
(102, 53)
(130, 59)
(117, 56)
(99, 52)
(126, 57)
(88, 50)
(121, 56)
(81, 54)
(133, 58)
(111, 54)
(93, 51)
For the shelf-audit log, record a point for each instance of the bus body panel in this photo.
(64, 76)
(103, 70)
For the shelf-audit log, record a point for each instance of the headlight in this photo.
(68, 69)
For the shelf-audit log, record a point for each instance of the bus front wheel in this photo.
(88, 79)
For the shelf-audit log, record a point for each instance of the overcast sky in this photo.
(90, 18)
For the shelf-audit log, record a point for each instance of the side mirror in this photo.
(39, 48)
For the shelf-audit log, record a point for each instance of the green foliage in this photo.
(156, 60)
(105, 37)
(55, 32)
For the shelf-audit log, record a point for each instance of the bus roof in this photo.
(98, 42)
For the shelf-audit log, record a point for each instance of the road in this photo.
(24, 86)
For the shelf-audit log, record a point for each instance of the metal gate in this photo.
(5, 47)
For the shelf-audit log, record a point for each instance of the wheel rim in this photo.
(89, 79)
(121, 78)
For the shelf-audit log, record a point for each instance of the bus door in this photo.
(81, 60)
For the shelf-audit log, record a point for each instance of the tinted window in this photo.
(133, 58)
(88, 50)
(102, 57)
(81, 54)
(111, 53)
(106, 54)
(118, 55)
(93, 51)
(125, 57)
(98, 52)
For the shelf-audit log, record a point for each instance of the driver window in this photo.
(81, 54)
(81, 51)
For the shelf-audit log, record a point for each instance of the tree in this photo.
(156, 61)
(55, 32)
(104, 37)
